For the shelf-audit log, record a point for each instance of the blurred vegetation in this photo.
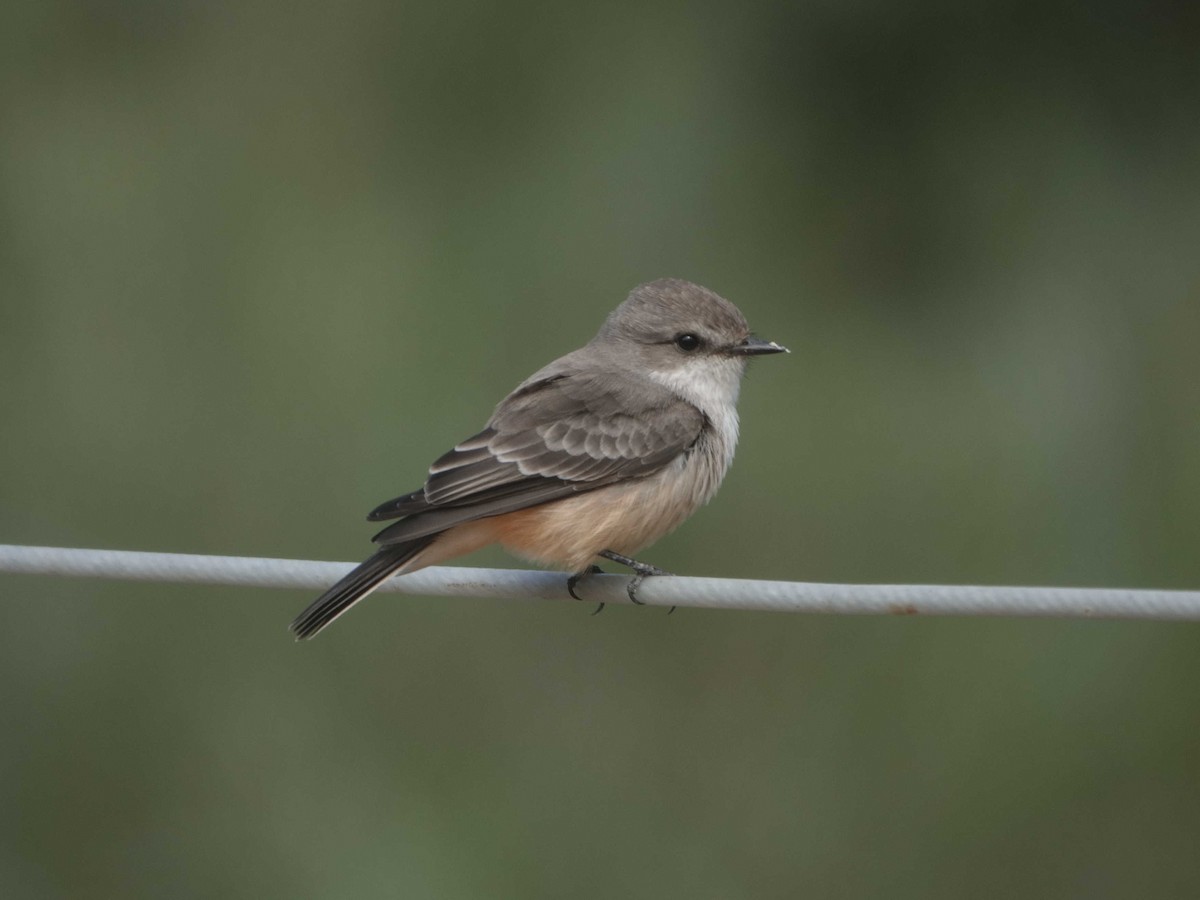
(236, 238)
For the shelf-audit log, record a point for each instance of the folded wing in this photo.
(559, 434)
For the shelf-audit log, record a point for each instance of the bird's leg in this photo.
(574, 580)
(641, 571)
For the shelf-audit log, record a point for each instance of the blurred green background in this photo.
(235, 238)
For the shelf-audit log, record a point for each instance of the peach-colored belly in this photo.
(570, 532)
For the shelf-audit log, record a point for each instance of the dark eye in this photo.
(687, 342)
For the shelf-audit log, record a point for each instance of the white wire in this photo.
(724, 593)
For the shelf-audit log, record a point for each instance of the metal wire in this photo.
(713, 593)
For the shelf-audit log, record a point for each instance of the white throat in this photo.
(712, 386)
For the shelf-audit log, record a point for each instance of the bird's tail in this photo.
(363, 579)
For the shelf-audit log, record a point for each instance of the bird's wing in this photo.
(554, 436)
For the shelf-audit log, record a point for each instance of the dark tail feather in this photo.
(363, 579)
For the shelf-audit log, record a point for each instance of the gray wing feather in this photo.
(560, 433)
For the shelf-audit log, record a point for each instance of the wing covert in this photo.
(550, 438)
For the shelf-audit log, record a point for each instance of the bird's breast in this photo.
(624, 517)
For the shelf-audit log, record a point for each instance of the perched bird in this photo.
(599, 454)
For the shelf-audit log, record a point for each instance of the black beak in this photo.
(753, 346)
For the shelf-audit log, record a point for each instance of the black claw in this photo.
(574, 580)
(641, 571)
(631, 588)
(599, 609)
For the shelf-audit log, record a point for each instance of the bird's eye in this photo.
(687, 342)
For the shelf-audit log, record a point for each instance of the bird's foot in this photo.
(641, 571)
(574, 580)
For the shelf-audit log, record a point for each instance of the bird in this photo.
(595, 456)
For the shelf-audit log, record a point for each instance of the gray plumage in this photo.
(567, 430)
(632, 405)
